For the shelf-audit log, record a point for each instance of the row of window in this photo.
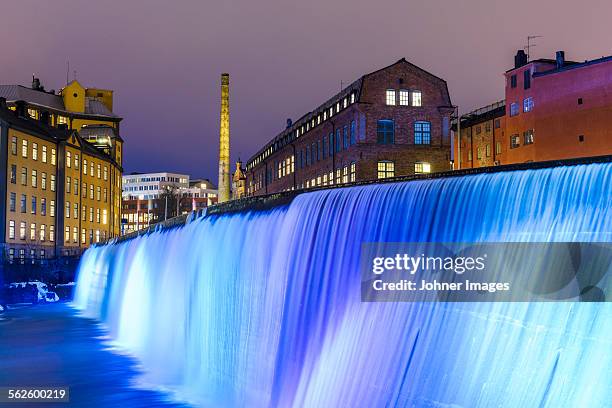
(385, 132)
(42, 231)
(515, 140)
(315, 120)
(285, 167)
(25, 150)
(386, 168)
(322, 149)
(527, 106)
(406, 97)
(346, 174)
(485, 150)
(526, 80)
(33, 208)
(11, 255)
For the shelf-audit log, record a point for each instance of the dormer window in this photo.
(416, 98)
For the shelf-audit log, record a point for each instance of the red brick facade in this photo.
(302, 156)
(554, 109)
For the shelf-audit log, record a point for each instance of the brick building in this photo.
(554, 109)
(391, 122)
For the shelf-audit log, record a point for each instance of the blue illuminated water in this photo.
(263, 309)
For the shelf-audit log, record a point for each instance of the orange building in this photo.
(554, 109)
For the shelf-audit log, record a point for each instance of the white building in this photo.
(148, 186)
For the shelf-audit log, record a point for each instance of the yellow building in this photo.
(62, 169)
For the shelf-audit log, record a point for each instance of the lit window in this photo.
(528, 137)
(352, 98)
(390, 98)
(386, 169)
(422, 132)
(498, 148)
(527, 104)
(422, 167)
(416, 98)
(53, 157)
(11, 229)
(404, 98)
(68, 159)
(352, 175)
(34, 151)
(24, 148)
(514, 141)
(62, 120)
(33, 113)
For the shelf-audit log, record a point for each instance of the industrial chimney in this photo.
(224, 142)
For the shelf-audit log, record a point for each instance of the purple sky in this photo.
(164, 58)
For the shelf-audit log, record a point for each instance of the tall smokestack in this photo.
(224, 142)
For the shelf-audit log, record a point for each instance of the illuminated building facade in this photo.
(391, 122)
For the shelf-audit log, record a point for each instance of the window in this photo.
(43, 181)
(422, 167)
(478, 130)
(581, 138)
(579, 103)
(91, 169)
(98, 215)
(43, 232)
(338, 144)
(33, 209)
(75, 187)
(33, 232)
(14, 146)
(514, 109)
(91, 187)
(331, 144)
(390, 97)
(44, 154)
(67, 234)
(22, 230)
(23, 204)
(422, 132)
(497, 124)
(53, 182)
(11, 229)
(416, 98)
(488, 150)
(487, 126)
(13, 174)
(32, 113)
(479, 153)
(527, 104)
(76, 161)
(68, 182)
(498, 148)
(24, 176)
(34, 178)
(34, 151)
(98, 168)
(68, 159)
(84, 166)
(83, 213)
(104, 216)
(13, 202)
(526, 79)
(386, 169)
(51, 233)
(91, 213)
(470, 155)
(67, 209)
(75, 211)
(528, 137)
(62, 120)
(105, 173)
(513, 81)
(53, 156)
(514, 141)
(352, 132)
(385, 132)
(75, 234)
(353, 171)
(24, 148)
(345, 137)
(404, 98)
(43, 206)
(52, 208)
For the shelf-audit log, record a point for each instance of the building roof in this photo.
(568, 65)
(14, 93)
(354, 88)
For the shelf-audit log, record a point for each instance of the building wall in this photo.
(55, 177)
(359, 158)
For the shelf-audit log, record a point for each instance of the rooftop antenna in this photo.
(341, 85)
(67, 71)
(75, 72)
(529, 44)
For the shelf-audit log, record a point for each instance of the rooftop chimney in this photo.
(289, 123)
(35, 83)
(560, 57)
(224, 142)
(520, 59)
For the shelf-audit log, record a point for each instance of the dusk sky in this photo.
(163, 58)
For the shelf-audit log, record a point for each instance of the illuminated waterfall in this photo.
(263, 308)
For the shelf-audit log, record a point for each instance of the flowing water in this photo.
(263, 308)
